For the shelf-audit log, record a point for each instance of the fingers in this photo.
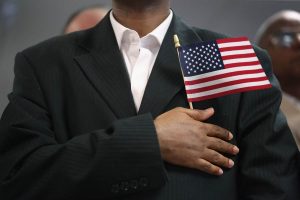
(210, 162)
(199, 115)
(218, 159)
(208, 167)
(222, 146)
(216, 131)
(203, 144)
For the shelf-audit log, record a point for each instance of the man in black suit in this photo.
(86, 122)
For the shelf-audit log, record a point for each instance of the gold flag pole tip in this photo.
(176, 41)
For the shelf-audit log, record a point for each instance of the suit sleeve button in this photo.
(115, 189)
(124, 186)
(134, 184)
(144, 182)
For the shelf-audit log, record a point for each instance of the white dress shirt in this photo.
(139, 53)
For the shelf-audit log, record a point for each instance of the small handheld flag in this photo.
(222, 67)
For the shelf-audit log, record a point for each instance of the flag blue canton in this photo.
(200, 58)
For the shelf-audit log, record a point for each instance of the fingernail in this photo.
(220, 172)
(230, 163)
(210, 110)
(235, 149)
(230, 136)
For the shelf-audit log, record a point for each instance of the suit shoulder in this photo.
(207, 35)
(53, 46)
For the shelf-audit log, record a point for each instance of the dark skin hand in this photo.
(187, 141)
(184, 138)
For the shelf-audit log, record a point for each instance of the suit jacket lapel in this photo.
(104, 67)
(166, 78)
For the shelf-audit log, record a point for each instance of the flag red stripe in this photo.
(237, 48)
(228, 40)
(229, 83)
(243, 64)
(248, 55)
(245, 89)
(216, 77)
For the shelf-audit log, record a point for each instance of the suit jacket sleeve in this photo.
(120, 160)
(268, 158)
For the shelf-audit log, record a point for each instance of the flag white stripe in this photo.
(233, 44)
(237, 52)
(225, 80)
(223, 71)
(228, 88)
(240, 60)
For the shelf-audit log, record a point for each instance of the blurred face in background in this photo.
(86, 19)
(283, 44)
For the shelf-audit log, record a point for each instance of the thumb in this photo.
(200, 115)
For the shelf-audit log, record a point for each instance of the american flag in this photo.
(222, 67)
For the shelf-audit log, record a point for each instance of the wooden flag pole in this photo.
(177, 45)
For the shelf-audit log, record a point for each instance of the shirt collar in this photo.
(159, 32)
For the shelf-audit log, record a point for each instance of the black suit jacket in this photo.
(71, 130)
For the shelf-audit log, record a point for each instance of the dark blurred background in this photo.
(26, 22)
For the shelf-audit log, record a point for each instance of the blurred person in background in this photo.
(85, 18)
(280, 36)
